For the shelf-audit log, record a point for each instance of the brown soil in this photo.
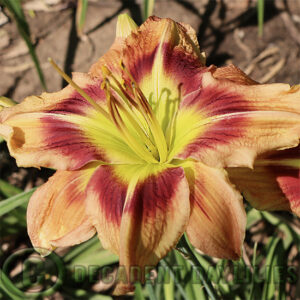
(227, 31)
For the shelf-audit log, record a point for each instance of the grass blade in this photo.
(15, 201)
(185, 249)
(252, 289)
(169, 289)
(150, 289)
(173, 278)
(186, 271)
(91, 253)
(8, 287)
(138, 293)
(79, 249)
(15, 8)
(81, 16)
(260, 16)
(8, 190)
(147, 8)
(71, 293)
(269, 288)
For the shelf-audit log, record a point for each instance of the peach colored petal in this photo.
(238, 120)
(56, 211)
(273, 183)
(137, 215)
(218, 219)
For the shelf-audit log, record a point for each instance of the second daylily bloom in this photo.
(141, 144)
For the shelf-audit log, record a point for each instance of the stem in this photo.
(185, 250)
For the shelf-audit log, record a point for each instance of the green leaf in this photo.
(150, 289)
(186, 272)
(253, 216)
(99, 297)
(290, 236)
(81, 16)
(138, 293)
(270, 218)
(15, 8)
(169, 288)
(186, 249)
(8, 190)
(253, 294)
(260, 16)
(91, 254)
(15, 221)
(15, 201)
(9, 288)
(80, 249)
(171, 277)
(82, 294)
(147, 8)
(274, 250)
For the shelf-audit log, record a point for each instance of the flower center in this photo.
(133, 116)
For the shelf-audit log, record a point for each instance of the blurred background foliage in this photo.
(269, 268)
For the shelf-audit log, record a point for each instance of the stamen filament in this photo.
(107, 73)
(156, 129)
(127, 108)
(79, 89)
(140, 132)
(132, 105)
(143, 153)
(126, 98)
(129, 114)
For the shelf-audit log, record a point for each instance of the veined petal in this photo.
(274, 182)
(218, 219)
(233, 73)
(135, 211)
(56, 212)
(164, 59)
(62, 130)
(152, 223)
(106, 195)
(237, 119)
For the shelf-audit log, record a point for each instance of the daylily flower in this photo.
(141, 144)
(273, 183)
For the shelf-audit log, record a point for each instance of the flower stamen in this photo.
(149, 116)
(115, 107)
(131, 141)
(78, 89)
